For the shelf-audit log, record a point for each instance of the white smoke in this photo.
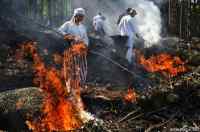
(147, 22)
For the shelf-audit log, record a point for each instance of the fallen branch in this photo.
(136, 117)
(158, 110)
(160, 124)
(112, 61)
(136, 76)
(156, 126)
(128, 115)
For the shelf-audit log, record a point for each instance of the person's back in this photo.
(98, 24)
(120, 17)
(126, 26)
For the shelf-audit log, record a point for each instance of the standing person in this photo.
(76, 31)
(127, 28)
(75, 28)
(98, 24)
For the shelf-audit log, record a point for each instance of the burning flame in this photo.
(163, 63)
(79, 49)
(62, 104)
(131, 96)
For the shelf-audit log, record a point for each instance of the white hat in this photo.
(79, 11)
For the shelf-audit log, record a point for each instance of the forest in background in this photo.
(47, 12)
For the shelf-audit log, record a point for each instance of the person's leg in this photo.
(83, 69)
(129, 54)
(102, 32)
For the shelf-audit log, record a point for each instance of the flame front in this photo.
(62, 104)
(163, 63)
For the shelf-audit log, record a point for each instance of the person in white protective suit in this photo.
(126, 27)
(75, 27)
(98, 24)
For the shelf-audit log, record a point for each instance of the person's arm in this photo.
(94, 25)
(131, 26)
(64, 28)
(133, 29)
(119, 19)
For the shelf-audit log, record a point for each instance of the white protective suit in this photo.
(126, 27)
(98, 23)
(71, 28)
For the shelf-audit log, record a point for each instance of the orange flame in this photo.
(163, 63)
(79, 49)
(61, 107)
(131, 96)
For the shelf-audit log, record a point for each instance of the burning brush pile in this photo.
(63, 109)
(164, 63)
(165, 105)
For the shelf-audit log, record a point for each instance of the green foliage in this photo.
(54, 12)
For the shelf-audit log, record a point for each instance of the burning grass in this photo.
(163, 63)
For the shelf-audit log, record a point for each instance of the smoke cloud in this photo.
(147, 22)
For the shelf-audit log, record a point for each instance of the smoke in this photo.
(148, 22)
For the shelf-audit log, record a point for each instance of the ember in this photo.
(131, 96)
(62, 106)
(163, 63)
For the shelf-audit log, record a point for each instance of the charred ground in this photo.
(165, 104)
